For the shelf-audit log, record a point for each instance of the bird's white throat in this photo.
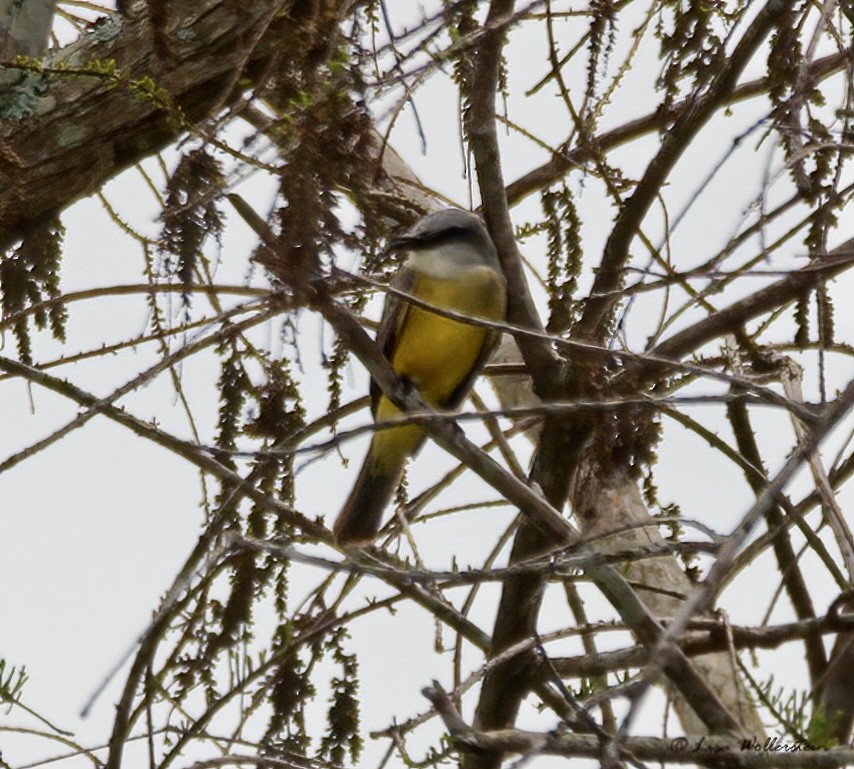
(450, 261)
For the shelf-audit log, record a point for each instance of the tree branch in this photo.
(746, 753)
(102, 123)
(25, 27)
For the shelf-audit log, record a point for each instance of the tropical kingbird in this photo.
(451, 264)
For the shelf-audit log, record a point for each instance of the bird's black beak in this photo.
(399, 243)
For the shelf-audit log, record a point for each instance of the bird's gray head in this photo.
(452, 227)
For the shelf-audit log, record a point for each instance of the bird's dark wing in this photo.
(394, 318)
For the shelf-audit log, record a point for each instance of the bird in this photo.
(451, 263)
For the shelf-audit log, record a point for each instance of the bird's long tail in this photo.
(361, 517)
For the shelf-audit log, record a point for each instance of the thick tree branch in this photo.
(505, 685)
(481, 126)
(745, 753)
(102, 123)
(25, 27)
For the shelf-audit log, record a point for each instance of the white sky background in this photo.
(93, 529)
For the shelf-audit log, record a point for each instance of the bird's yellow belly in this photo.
(437, 353)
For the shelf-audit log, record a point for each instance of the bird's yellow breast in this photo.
(435, 352)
